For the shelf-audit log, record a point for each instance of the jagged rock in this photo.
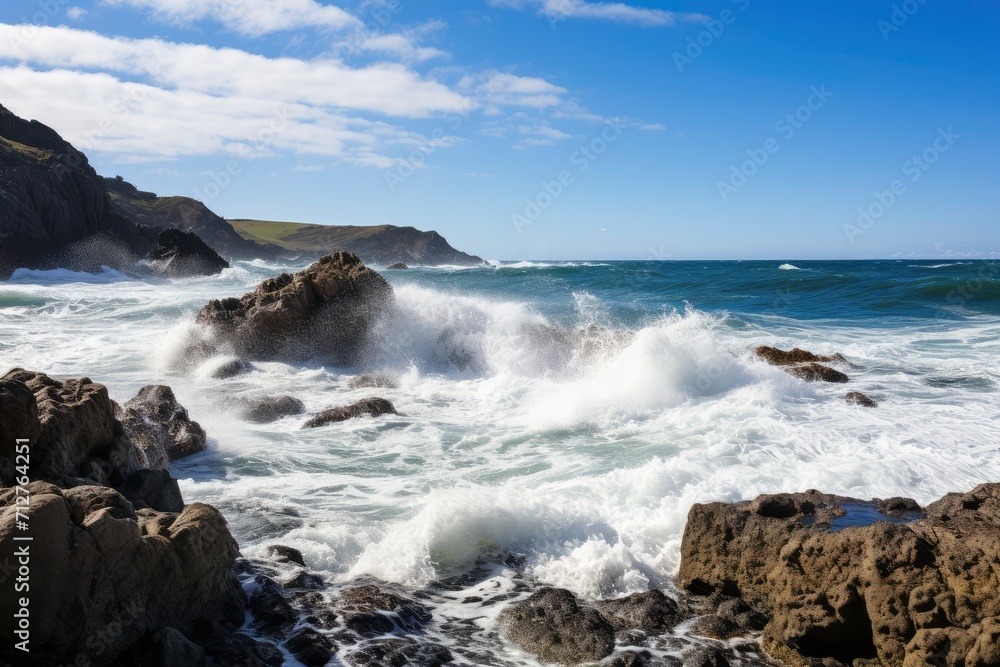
(372, 381)
(896, 593)
(76, 433)
(398, 266)
(272, 615)
(817, 373)
(552, 625)
(776, 357)
(370, 611)
(733, 617)
(100, 583)
(284, 554)
(267, 409)
(180, 254)
(652, 612)
(324, 312)
(372, 407)
(399, 651)
(160, 427)
(857, 398)
(310, 647)
(239, 650)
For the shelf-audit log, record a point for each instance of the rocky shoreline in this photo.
(134, 576)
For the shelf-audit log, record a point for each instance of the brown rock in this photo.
(776, 357)
(160, 427)
(372, 381)
(370, 611)
(373, 407)
(908, 594)
(552, 625)
(857, 398)
(324, 312)
(817, 372)
(98, 584)
(652, 612)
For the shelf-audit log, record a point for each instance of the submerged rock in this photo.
(324, 312)
(160, 427)
(552, 625)
(267, 409)
(652, 612)
(398, 266)
(283, 554)
(372, 381)
(180, 254)
(803, 364)
(860, 592)
(398, 651)
(230, 369)
(370, 611)
(372, 407)
(857, 398)
(311, 648)
(817, 373)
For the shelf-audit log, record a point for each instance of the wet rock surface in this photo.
(803, 364)
(182, 254)
(268, 409)
(897, 591)
(857, 398)
(373, 381)
(370, 407)
(324, 312)
(160, 427)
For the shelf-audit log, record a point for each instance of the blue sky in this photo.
(525, 129)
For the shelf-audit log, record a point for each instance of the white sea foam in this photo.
(789, 267)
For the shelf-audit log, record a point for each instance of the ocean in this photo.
(567, 413)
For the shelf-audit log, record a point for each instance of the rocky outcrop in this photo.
(324, 313)
(852, 582)
(160, 427)
(267, 409)
(554, 626)
(398, 266)
(181, 254)
(186, 214)
(371, 407)
(54, 208)
(105, 575)
(804, 365)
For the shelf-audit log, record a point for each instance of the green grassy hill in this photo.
(378, 244)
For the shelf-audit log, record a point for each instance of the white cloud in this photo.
(75, 13)
(247, 17)
(389, 89)
(403, 45)
(501, 89)
(619, 12)
(653, 127)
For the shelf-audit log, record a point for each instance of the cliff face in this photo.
(381, 244)
(186, 214)
(50, 199)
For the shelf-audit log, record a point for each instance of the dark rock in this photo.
(284, 554)
(324, 313)
(230, 369)
(271, 408)
(398, 266)
(180, 254)
(155, 489)
(818, 372)
(164, 648)
(652, 612)
(897, 506)
(107, 585)
(397, 652)
(239, 650)
(272, 614)
(883, 593)
(372, 380)
(639, 659)
(310, 647)
(370, 611)
(552, 625)
(372, 407)
(857, 398)
(160, 427)
(54, 208)
(706, 657)
(795, 356)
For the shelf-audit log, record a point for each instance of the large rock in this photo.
(324, 313)
(803, 364)
(160, 427)
(54, 208)
(899, 594)
(104, 575)
(552, 625)
(370, 407)
(179, 254)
